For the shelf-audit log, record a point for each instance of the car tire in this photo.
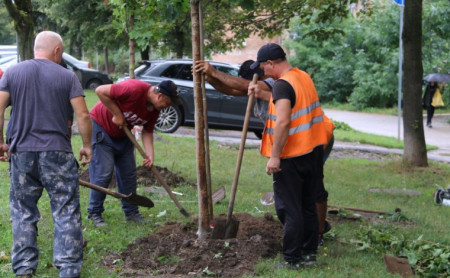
(169, 119)
(93, 84)
(258, 134)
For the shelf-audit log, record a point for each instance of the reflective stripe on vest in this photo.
(306, 128)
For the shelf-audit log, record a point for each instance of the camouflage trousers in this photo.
(57, 172)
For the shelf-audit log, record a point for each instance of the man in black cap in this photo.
(127, 103)
(293, 141)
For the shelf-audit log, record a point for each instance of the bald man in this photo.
(44, 97)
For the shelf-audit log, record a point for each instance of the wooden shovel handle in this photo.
(155, 171)
(241, 151)
(102, 189)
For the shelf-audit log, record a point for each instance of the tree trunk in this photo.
(132, 49)
(415, 152)
(106, 56)
(203, 212)
(145, 54)
(179, 43)
(22, 14)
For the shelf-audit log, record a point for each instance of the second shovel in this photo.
(230, 227)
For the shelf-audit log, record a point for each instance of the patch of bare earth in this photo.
(174, 250)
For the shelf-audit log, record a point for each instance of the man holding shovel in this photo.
(128, 103)
(293, 141)
(239, 86)
(44, 96)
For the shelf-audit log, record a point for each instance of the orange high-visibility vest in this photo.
(329, 127)
(306, 128)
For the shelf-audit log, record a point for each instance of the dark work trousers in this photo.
(430, 113)
(295, 196)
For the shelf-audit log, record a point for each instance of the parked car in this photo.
(224, 111)
(89, 78)
(76, 62)
(7, 50)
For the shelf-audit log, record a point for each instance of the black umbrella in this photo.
(437, 77)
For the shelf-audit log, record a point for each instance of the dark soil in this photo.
(146, 178)
(174, 250)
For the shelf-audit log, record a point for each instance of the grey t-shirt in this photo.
(261, 106)
(40, 92)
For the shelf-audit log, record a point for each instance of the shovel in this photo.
(131, 198)
(156, 172)
(229, 228)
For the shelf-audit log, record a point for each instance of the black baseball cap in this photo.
(270, 51)
(168, 88)
(246, 72)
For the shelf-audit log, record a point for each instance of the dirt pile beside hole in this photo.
(146, 178)
(174, 250)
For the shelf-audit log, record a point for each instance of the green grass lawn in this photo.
(347, 180)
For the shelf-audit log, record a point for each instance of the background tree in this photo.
(21, 12)
(7, 33)
(414, 152)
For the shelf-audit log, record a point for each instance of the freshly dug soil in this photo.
(145, 177)
(175, 251)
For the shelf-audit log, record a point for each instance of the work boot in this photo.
(309, 259)
(288, 265)
(326, 227)
(136, 217)
(97, 220)
(27, 274)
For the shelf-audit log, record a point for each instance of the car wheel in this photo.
(93, 84)
(169, 119)
(258, 134)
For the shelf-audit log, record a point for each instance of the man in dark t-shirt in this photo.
(128, 103)
(43, 96)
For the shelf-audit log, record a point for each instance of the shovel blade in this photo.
(138, 200)
(224, 230)
(267, 199)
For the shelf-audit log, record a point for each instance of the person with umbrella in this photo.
(430, 91)
(427, 99)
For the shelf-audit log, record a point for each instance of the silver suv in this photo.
(224, 111)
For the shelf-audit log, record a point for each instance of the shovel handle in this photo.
(241, 151)
(101, 189)
(155, 172)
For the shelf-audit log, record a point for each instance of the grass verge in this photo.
(348, 182)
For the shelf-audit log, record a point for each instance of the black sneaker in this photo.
(97, 220)
(137, 218)
(326, 227)
(309, 259)
(288, 265)
(321, 241)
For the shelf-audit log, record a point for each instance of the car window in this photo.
(185, 73)
(179, 71)
(171, 71)
(227, 70)
(145, 70)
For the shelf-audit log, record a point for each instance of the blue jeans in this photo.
(57, 172)
(109, 154)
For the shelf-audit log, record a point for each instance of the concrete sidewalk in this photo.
(387, 125)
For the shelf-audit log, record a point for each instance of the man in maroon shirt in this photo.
(128, 103)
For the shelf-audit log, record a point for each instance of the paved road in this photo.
(438, 135)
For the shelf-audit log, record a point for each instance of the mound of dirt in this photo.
(175, 251)
(145, 177)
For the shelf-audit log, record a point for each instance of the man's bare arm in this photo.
(104, 94)
(84, 126)
(4, 102)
